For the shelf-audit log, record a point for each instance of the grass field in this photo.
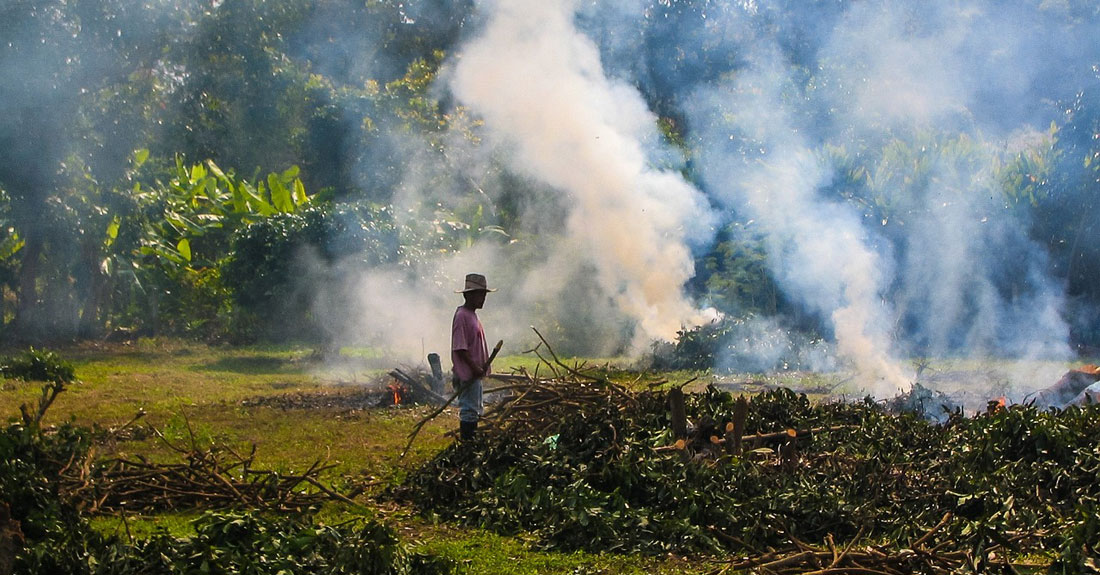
(193, 392)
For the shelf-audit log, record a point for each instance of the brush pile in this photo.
(584, 463)
(209, 477)
(212, 477)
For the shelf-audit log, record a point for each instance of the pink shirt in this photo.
(467, 333)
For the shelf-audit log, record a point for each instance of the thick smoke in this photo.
(542, 90)
(888, 68)
(951, 272)
(605, 237)
(818, 248)
(934, 70)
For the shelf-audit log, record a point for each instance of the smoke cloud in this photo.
(565, 92)
(540, 86)
(888, 68)
(818, 248)
(554, 110)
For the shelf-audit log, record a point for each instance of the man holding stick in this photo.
(470, 354)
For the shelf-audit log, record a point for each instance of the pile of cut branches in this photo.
(208, 477)
(583, 463)
(921, 556)
(51, 481)
(215, 477)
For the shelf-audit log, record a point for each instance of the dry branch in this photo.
(215, 476)
(420, 424)
(898, 559)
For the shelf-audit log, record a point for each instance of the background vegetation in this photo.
(165, 162)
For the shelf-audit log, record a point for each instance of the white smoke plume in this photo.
(542, 91)
(888, 67)
(930, 69)
(817, 248)
(555, 84)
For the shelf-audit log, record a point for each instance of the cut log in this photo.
(437, 374)
(736, 428)
(678, 413)
(787, 435)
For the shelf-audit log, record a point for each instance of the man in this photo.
(469, 354)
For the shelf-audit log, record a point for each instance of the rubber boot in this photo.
(466, 429)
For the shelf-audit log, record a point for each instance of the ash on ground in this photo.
(344, 399)
(933, 405)
(382, 392)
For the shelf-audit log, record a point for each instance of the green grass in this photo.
(483, 553)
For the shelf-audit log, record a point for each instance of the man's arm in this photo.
(477, 371)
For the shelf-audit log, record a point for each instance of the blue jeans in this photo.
(470, 403)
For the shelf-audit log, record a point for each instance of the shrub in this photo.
(38, 365)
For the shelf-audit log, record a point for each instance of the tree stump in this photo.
(677, 413)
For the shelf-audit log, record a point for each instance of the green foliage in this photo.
(58, 539)
(737, 280)
(747, 343)
(256, 86)
(254, 544)
(187, 237)
(695, 348)
(202, 201)
(10, 241)
(197, 303)
(270, 256)
(602, 485)
(38, 365)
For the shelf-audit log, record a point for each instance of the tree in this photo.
(76, 97)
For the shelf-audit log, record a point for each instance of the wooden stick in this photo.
(420, 424)
(736, 429)
(946, 517)
(788, 434)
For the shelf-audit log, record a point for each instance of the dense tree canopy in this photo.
(158, 158)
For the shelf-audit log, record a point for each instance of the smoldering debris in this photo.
(1076, 387)
(933, 405)
(401, 387)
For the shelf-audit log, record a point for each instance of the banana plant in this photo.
(202, 205)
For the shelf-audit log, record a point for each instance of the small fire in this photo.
(398, 391)
(997, 404)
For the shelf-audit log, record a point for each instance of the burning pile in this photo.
(584, 463)
(1074, 388)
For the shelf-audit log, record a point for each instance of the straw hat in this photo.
(475, 282)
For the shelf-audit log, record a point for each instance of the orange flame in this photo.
(398, 391)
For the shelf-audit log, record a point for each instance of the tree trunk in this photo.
(26, 312)
(89, 315)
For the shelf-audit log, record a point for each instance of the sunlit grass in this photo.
(478, 552)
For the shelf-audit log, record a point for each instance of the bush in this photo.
(38, 365)
(279, 264)
(246, 542)
(57, 537)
